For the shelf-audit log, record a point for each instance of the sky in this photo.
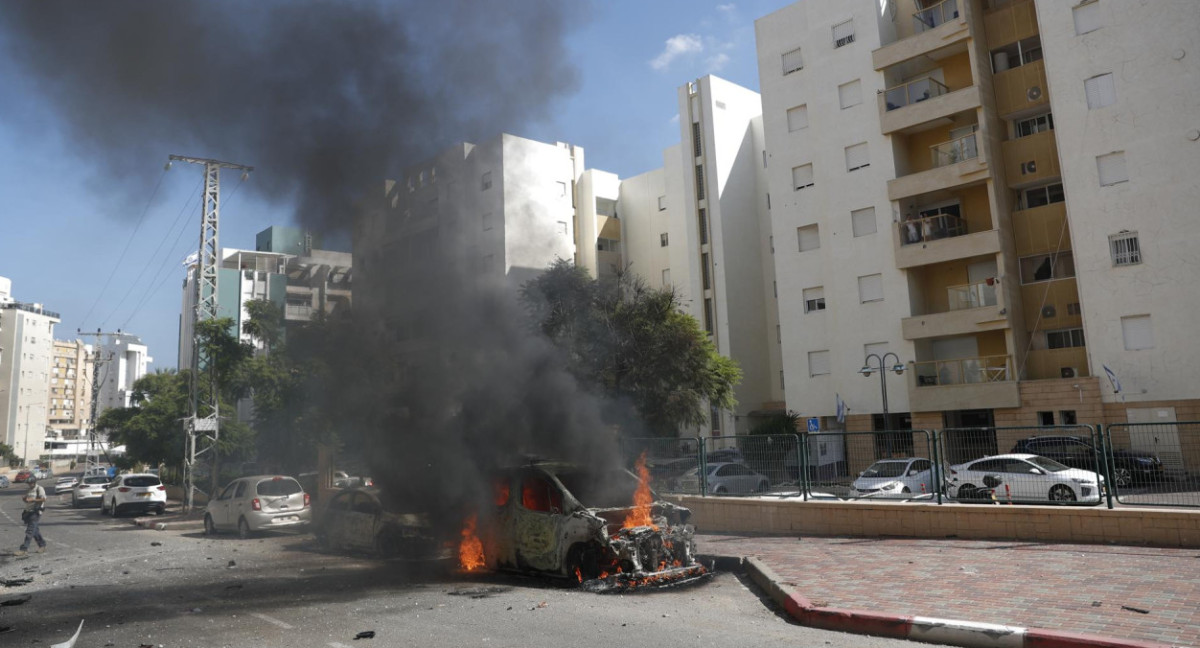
(75, 237)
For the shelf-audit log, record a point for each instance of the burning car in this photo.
(603, 528)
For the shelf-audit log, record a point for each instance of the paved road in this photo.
(136, 587)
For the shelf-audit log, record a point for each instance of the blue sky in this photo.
(104, 260)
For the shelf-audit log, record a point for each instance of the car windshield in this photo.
(279, 486)
(1049, 465)
(142, 480)
(95, 480)
(610, 489)
(886, 469)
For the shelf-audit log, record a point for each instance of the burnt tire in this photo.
(583, 557)
(387, 545)
(1061, 493)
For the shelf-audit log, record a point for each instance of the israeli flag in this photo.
(1112, 379)
(841, 408)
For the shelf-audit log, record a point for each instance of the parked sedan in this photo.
(725, 478)
(1023, 478)
(65, 484)
(357, 520)
(1129, 466)
(89, 491)
(250, 504)
(3, 481)
(134, 492)
(895, 478)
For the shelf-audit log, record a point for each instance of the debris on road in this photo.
(19, 600)
(365, 634)
(1133, 609)
(16, 582)
(155, 544)
(70, 643)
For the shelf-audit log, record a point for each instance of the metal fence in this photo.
(1155, 464)
(1024, 465)
(891, 464)
(670, 462)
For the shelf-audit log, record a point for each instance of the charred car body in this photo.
(595, 526)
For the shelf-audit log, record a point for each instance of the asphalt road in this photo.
(134, 587)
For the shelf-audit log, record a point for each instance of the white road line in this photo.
(273, 620)
(334, 644)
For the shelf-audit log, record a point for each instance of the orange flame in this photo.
(470, 549)
(642, 499)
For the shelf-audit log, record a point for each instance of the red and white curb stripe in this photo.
(968, 634)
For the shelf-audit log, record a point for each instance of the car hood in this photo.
(1075, 473)
(864, 483)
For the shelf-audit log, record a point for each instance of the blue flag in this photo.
(1112, 379)
(841, 409)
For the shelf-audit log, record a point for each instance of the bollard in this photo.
(1008, 494)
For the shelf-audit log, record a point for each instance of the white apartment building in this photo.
(26, 350)
(123, 360)
(994, 191)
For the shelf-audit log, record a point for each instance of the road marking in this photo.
(273, 620)
(334, 644)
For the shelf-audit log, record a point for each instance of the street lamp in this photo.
(882, 366)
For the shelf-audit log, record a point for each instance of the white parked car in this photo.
(256, 503)
(65, 484)
(134, 492)
(1023, 478)
(89, 491)
(725, 478)
(896, 478)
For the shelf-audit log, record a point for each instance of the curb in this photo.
(968, 634)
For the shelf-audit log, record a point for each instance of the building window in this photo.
(486, 180)
(850, 94)
(1017, 54)
(714, 416)
(818, 363)
(1033, 125)
(1039, 196)
(778, 334)
(814, 299)
(781, 386)
(1100, 91)
(802, 176)
(662, 203)
(771, 243)
(487, 221)
(797, 118)
(699, 182)
(562, 189)
(1074, 309)
(764, 154)
(792, 61)
(1067, 417)
(1045, 418)
(1137, 332)
(857, 157)
(662, 240)
(863, 221)
(705, 276)
(1125, 249)
(696, 144)
(809, 237)
(702, 220)
(1064, 338)
(1111, 169)
(1044, 267)
(708, 315)
(843, 33)
(1087, 17)
(562, 228)
(607, 245)
(870, 288)
(666, 277)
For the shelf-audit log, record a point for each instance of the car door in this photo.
(361, 521)
(238, 502)
(535, 525)
(219, 510)
(1024, 480)
(335, 523)
(919, 477)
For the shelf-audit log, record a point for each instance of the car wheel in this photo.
(113, 510)
(719, 490)
(74, 503)
(243, 528)
(762, 487)
(210, 529)
(386, 545)
(906, 490)
(967, 492)
(1061, 493)
(1122, 476)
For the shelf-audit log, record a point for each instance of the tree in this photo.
(265, 322)
(634, 344)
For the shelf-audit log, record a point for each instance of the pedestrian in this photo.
(35, 502)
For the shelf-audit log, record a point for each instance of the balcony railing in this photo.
(954, 151)
(973, 295)
(913, 92)
(298, 311)
(931, 228)
(964, 371)
(934, 16)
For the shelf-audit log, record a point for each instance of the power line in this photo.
(132, 234)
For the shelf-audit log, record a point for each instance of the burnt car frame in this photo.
(566, 520)
(359, 519)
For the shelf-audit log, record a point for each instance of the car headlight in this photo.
(1145, 461)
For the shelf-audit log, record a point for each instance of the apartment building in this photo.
(70, 390)
(26, 349)
(123, 360)
(992, 191)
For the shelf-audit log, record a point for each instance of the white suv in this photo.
(137, 491)
(256, 503)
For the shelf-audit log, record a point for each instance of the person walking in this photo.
(35, 502)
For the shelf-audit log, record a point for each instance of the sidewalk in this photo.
(1120, 592)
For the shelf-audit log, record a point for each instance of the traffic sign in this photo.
(814, 424)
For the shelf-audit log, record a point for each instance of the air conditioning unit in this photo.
(1069, 372)
(1048, 312)
(1033, 93)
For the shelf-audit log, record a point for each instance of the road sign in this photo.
(814, 424)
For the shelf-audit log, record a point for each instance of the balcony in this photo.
(932, 29)
(964, 383)
(923, 102)
(973, 295)
(955, 151)
(955, 163)
(972, 308)
(1046, 364)
(1021, 89)
(302, 312)
(1041, 230)
(932, 228)
(609, 227)
(935, 16)
(913, 92)
(1031, 160)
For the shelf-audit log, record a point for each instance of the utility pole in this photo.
(97, 360)
(204, 416)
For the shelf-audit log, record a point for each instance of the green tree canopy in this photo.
(634, 344)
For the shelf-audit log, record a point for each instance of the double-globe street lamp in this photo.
(881, 365)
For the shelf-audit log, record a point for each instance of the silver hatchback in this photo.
(250, 504)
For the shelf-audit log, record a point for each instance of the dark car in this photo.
(1129, 466)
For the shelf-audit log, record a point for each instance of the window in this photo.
(705, 276)
(843, 34)
(702, 219)
(1017, 54)
(781, 386)
(662, 203)
(870, 288)
(1124, 249)
(1064, 338)
(878, 348)
(792, 61)
(808, 237)
(818, 363)
(797, 118)
(1100, 91)
(699, 182)
(486, 180)
(607, 245)
(696, 148)
(850, 94)
(1074, 309)
(814, 299)
(764, 159)
(802, 176)
(1033, 125)
(708, 315)
(857, 157)
(487, 221)
(1137, 332)
(1045, 418)
(666, 277)
(1039, 196)
(662, 239)
(562, 189)
(562, 228)
(1067, 417)
(863, 221)
(1087, 17)
(1044, 267)
(714, 416)
(1111, 169)
(771, 243)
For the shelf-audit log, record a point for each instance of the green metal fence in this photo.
(888, 464)
(1155, 464)
(669, 461)
(756, 464)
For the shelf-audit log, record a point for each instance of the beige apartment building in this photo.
(70, 390)
(999, 193)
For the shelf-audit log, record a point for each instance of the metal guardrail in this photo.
(1155, 464)
(1024, 465)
